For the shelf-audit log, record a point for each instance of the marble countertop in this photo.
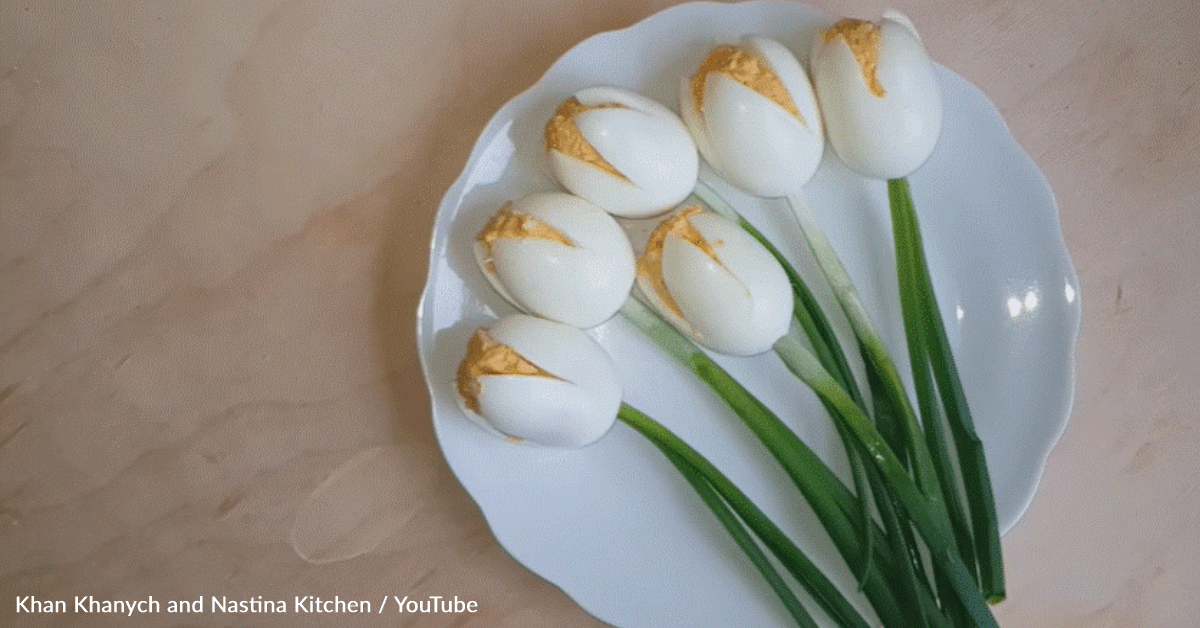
(214, 220)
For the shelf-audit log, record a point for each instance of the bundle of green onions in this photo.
(919, 527)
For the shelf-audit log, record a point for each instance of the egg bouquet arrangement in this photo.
(639, 235)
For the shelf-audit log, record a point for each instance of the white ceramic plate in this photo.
(612, 524)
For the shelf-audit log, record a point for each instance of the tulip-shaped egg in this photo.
(530, 379)
(559, 257)
(751, 110)
(715, 283)
(624, 152)
(876, 85)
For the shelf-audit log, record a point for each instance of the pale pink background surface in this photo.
(214, 220)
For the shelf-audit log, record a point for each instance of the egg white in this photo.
(642, 140)
(751, 141)
(574, 409)
(738, 304)
(581, 285)
(888, 137)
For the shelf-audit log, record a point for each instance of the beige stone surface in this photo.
(213, 227)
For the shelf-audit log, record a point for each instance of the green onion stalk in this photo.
(870, 344)
(930, 353)
(928, 447)
(833, 503)
(925, 448)
(944, 524)
(925, 511)
(884, 121)
(811, 319)
(737, 512)
(935, 454)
